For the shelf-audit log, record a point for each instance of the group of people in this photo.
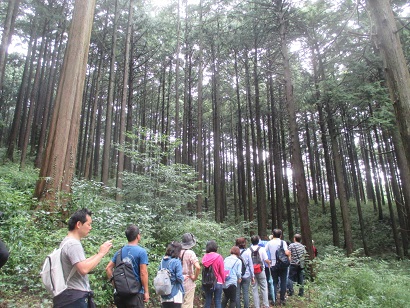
(245, 266)
(76, 267)
(261, 272)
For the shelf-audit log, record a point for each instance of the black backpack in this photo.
(243, 268)
(125, 282)
(282, 260)
(208, 277)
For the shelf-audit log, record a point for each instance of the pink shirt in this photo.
(188, 268)
(217, 263)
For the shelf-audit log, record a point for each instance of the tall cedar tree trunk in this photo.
(240, 148)
(17, 121)
(318, 71)
(260, 182)
(405, 182)
(285, 177)
(93, 116)
(129, 113)
(26, 95)
(199, 146)
(123, 117)
(398, 201)
(8, 27)
(277, 161)
(50, 94)
(34, 97)
(389, 199)
(85, 117)
(248, 170)
(395, 65)
(297, 162)
(341, 190)
(186, 113)
(57, 169)
(251, 134)
(216, 103)
(368, 173)
(110, 100)
(351, 147)
(399, 193)
(177, 64)
(319, 178)
(270, 168)
(375, 176)
(311, 160)
(381, 162)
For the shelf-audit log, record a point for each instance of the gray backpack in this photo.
(162, 281)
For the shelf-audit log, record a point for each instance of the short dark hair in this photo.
(277, 233)
(132, 232)
(173, 250)
(78, 216)
(255, 239)
(298, 237)
(211, 246)
(240, 242)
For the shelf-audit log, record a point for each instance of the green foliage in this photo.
(361, 282)
(31, 234)
(163, 188)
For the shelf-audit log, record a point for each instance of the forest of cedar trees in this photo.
(277, 106)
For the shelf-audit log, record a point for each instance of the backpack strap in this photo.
(169, 261)
(182, 258)
(235, 263)
(119, 256)
(73, 270)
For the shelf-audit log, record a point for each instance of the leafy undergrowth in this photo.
(31, 234)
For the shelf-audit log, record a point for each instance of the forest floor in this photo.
(34, 301)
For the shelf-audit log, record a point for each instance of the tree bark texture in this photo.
(59, 160)
(395, 65)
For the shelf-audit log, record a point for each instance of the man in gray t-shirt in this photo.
(72, 254)
(75, 265)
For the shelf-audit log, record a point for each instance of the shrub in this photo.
(361, 282)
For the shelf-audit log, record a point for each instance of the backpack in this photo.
(124, 278)
(282, 260)
(208, 277)
(243, 268)
(52, 273)
(257, 262)
(162, 281)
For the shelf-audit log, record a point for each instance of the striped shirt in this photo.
(297, 251)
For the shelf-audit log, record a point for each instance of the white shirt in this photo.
(274, 245)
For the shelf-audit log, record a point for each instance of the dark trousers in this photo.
(229, 295)
(171, 305)
(134, 301)
(79, 303)
(296, 274)
(281, 274)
